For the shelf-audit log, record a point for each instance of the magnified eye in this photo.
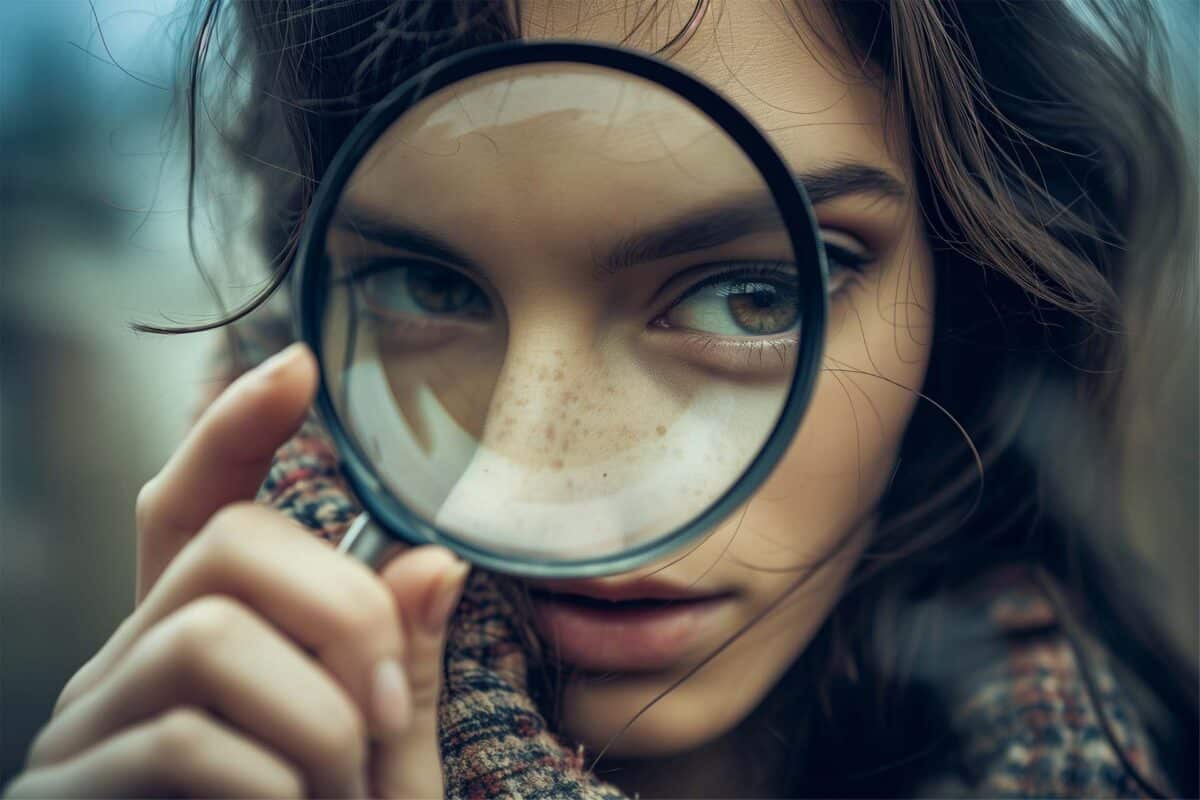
(737, 307)
(422, 290)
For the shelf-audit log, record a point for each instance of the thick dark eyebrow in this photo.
(370, 225)
(852, 177)
(697, 230)
(730, 221)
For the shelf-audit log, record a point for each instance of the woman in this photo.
(914, 603)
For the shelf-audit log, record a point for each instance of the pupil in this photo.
(437, 291)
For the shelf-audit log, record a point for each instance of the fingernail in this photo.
(280, 359)
(445, 596)
(392, 697)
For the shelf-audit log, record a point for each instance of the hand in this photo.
(258, 662)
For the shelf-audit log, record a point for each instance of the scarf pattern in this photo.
(1024, 723)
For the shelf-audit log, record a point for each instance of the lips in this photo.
(643, 589)
(635, 626)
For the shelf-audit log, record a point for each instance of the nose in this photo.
(561, 447)
(586, 452)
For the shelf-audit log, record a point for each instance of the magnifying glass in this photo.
(568, 305)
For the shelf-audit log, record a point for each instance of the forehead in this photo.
(787, 70)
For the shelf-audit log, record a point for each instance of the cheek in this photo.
(820, 495)
(843, 456)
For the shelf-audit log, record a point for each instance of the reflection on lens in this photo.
(562, 314)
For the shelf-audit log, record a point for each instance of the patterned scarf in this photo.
(1024, 724)
(494, 740)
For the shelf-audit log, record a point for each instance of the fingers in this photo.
(183, 752)
(329, 604)
(224, 458)
(234, 626)
(426, 583)
(217, 654)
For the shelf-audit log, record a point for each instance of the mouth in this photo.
(634, 627)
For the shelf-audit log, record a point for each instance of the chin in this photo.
(688, 717)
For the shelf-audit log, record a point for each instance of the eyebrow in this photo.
(697, 230)
(372, 226)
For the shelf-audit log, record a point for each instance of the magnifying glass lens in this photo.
(561, 312)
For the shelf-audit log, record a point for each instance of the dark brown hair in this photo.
(1060, 203)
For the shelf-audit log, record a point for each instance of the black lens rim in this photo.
(309, 293)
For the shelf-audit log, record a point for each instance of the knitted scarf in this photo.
(494, 740)
(1024, 725)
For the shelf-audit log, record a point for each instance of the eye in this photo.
(420, 289)
(845, 258)
(737, 306)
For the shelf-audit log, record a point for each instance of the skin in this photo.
(584, 383)
(480, 188)
(822, 493)
(239, 611)
(173, 704)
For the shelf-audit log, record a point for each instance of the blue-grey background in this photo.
(92, 236)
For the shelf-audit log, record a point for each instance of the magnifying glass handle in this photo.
(365, 542)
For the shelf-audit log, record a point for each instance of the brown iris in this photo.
(442, 291)
(760, 309)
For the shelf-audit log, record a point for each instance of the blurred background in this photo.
(93, 235)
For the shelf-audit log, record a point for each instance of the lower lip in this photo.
(625, 638)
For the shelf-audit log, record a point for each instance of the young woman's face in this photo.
(564, 370)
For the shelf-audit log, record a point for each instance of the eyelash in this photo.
(770, 270)
(357, 273)
(836, 257)
(755, 354)
(840, 260)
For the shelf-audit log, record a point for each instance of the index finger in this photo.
(224, 457)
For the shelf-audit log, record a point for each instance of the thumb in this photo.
(426, 583)
(224, 457)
